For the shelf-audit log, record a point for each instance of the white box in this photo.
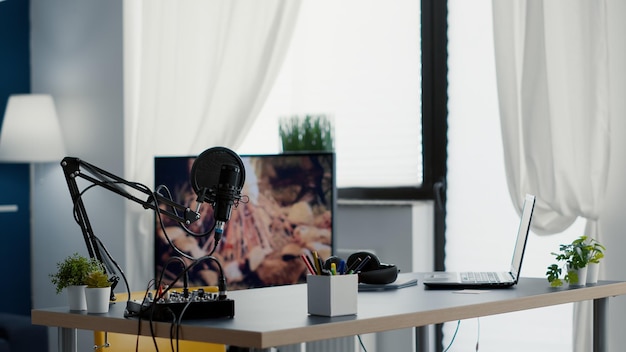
(332, 295)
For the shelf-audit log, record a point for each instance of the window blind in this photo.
(358, 62)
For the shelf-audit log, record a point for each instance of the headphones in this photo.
(373, 272)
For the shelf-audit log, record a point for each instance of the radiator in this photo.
(343, 344)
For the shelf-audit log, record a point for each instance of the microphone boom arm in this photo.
(99, 177)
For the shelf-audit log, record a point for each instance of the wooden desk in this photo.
(277, 316)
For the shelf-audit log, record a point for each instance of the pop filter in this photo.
(217, 177)
(206, 169)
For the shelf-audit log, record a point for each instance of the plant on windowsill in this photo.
(306, 133)
(576, 257)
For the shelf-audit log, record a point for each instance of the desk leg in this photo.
(421, 339)
(599, 324)
(67, 340)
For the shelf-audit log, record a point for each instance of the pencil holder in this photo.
(332, 295)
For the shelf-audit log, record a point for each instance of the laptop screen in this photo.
(522, 235)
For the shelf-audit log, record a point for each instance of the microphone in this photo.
(217, 176)
(225, 196)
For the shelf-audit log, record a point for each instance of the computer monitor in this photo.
(288, 208)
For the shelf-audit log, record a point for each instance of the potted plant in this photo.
(98, 291)
(306, 133)
(70, 275)
(576, 256)
(596, 253)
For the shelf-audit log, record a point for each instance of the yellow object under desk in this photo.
(115, 342)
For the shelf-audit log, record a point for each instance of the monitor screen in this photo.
(287, 208)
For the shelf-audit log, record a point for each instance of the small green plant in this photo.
(596, 251)
(553, 274)
(73, 270)
(97, 279)
(310, 133)
(575, 256)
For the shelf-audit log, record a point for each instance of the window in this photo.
(357, 61)
(481, 236)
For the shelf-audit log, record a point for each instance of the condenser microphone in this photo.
(217, 177)
(226, 195)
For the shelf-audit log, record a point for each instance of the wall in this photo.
(77, 57)
(14, 177)
(15, 236)
(14, 34)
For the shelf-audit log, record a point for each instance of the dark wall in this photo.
(15, 49)
(14, 178)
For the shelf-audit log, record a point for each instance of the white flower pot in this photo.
(98, 299)
(76, 297)
(592, 273)
(582, 277)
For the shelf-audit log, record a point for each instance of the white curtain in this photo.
(553, 88)
(196, 75)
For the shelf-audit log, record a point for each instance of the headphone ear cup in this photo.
(374, 272)
(385, 274)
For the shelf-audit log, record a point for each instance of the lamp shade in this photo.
(30, 130)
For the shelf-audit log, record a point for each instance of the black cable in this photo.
(477, 333)
(151, 322)
(221, 279)
(361, 343)
(172, 324)
(458, 323)
(172, 335)
(217, 236)
(146, 189)
(180, 318)
(161, 223)
(119, 269)
(215, 243)
(169, 241)
(159, 282)
(175, 211)
(78, 214)
(139, 320)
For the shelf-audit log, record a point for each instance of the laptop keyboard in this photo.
(480, 277)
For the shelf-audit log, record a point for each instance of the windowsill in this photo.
(358, 202)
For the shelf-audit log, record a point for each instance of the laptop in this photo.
(495, 279)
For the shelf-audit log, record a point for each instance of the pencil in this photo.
(308, 264)
(316, 261)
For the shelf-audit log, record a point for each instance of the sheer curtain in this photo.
(196, 75)
(553, 88)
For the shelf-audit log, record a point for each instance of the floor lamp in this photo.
(30, 133)
(30, 130)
